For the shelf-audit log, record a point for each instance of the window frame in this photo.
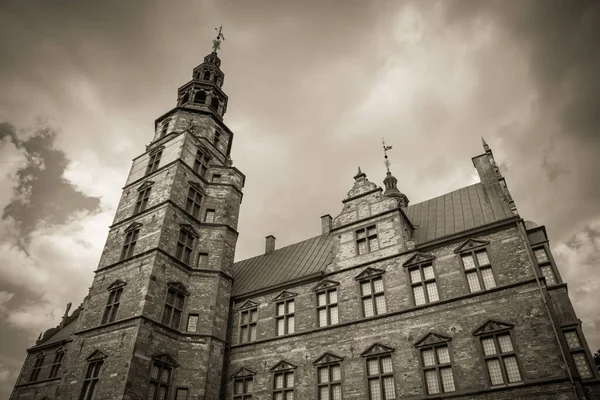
(193, 201)
(91, 379)
(187, 325)
(165, 126)
(477, 270)
(380, 376)
(184, 249)
(212, 212)
(285, 316)
(217, 137)
(34, 376)
(423, 282)
(201, 162)
(153, 161)
(59, 355)
(437, 367)
(112, 305)
(367, 239)
(129, 243)
(172, 308)
(328, 306)
(245, 395)
(579, 350)
(157, 382)
(143, 198)
(373, 295)
(330, 384)
(182, 388)
(549, 263)
(500, 356)
(284, 389)
(249, 324)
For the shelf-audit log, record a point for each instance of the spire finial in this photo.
(387, 162)
(485, 145)
(219, 39)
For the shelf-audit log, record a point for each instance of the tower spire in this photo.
(390, 181)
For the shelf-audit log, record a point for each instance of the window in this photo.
(200, 97)
(160, 379)
(478, 270)
(112, 305)
(92, 377)
(192, 325)
(422, 281)
(248, 320)
(202, 260)
(500, 359)
(173, 308)
(283, 385)
(284, 317)
(209, 216)
(185, 246)
(129, 244)
(56, 363)
(214, 103)
(366, 240)
(153, 162)
(216, 178)
(201, 163)
(206, 75)
(329, 383)
(217, 138)
(185, 98)
(193, 202)
(181, 394)
(166, 122)
(142, 200)
(37, 367)
(380, 378)
(545, 265)
(578, 354)
(242, 388)
(327, 307)
(372, 296)
(437, 369)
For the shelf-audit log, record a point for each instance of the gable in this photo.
(492, 326)
(248, 304)
(116, 284)
(369, 272)
(282, 366)
(470, 244)
(189, 229)
(196, 185)
(284, 295)
(96, 355)
(328, 358)
(419, 258)
(242, 372)
(133, 226)
(377, 349)
(166, 359)
(431, 339)
(156, 150)
(325, 284)
(145, 185)
(179, 287)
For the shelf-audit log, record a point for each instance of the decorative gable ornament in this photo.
(471, 244)
(377, 349)
(179, 287)
(368, 273)
(155, 150)
(248, 304)
(133, 226)
(282, 366)
(243, 372)
(284, 295)
(492, 326)
(431, 339)
(328, 358)
(189, 229)
(419, 258)
(325, 284)
(96, 355)
(145, 185)
(166, 359)
(196, 185)
(116, 285)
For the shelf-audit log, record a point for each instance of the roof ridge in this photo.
(282, 248)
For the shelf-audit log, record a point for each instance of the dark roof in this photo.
(282, 265)
(462, 209)
(61, 335)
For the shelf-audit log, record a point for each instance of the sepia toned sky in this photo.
(312, 86)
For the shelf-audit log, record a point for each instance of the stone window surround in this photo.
(500, 355)
(549, 263)
(483, 247)
(578, 350)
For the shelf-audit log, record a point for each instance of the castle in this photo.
(454, 297)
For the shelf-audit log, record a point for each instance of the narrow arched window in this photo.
(200, 97)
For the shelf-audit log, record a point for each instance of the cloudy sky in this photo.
(313, 86)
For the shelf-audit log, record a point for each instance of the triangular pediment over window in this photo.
(41, 354)
(96, 355)
(133, 226)
(190, 229)
(282, 366)
(419, 258)
(248, 304)
(242, 372)
(376, 349)
(325, 284)
(179, 287)
(156, 150)
(166, 359)
(284, 295)
(196, 185)
(145, 185)
(471, 244)
(116, 284)
(431, 339)
(328, 358)
(369, 272)
(492, 326)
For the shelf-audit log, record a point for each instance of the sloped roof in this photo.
(282, 265)
(62, 334)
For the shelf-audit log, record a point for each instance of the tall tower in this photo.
(154, 324)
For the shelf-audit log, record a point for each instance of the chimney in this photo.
(326, 223)
(270, 244)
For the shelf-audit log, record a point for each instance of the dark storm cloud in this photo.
(42, 195)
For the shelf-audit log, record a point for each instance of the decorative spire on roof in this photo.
(485, 145)
(390, 181)
(219, 39)
(360, 175)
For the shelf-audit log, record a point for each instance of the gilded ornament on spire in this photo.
(219, 39)
(387, 162)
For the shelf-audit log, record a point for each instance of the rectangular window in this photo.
(193, 202)
(248, 320)
(185, 246)
(329, 383)
(129, 244)
(545, 266)
(578, 354)
(142, 200)
(242, 388)
(56, 363)
(202, 260)
(478, 270)
(92, 377)
(201, 163)
(153, 162)
(373, 299)
(424, 287)
(327, 307)
(160, 379)
(173, 308)
(209, 216)
(366, 240)
(192, 325)
(500, 359)
(165, 127)
(181, 394)
(283, 385)
(216, 178)
(112, 306)
(437, 370)
(284, 317)
(217, 139)
(37, 367)
(380, 378)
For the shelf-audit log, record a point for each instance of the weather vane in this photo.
(387, 162)
(220, 38)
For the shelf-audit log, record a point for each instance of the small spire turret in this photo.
(390, 181)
